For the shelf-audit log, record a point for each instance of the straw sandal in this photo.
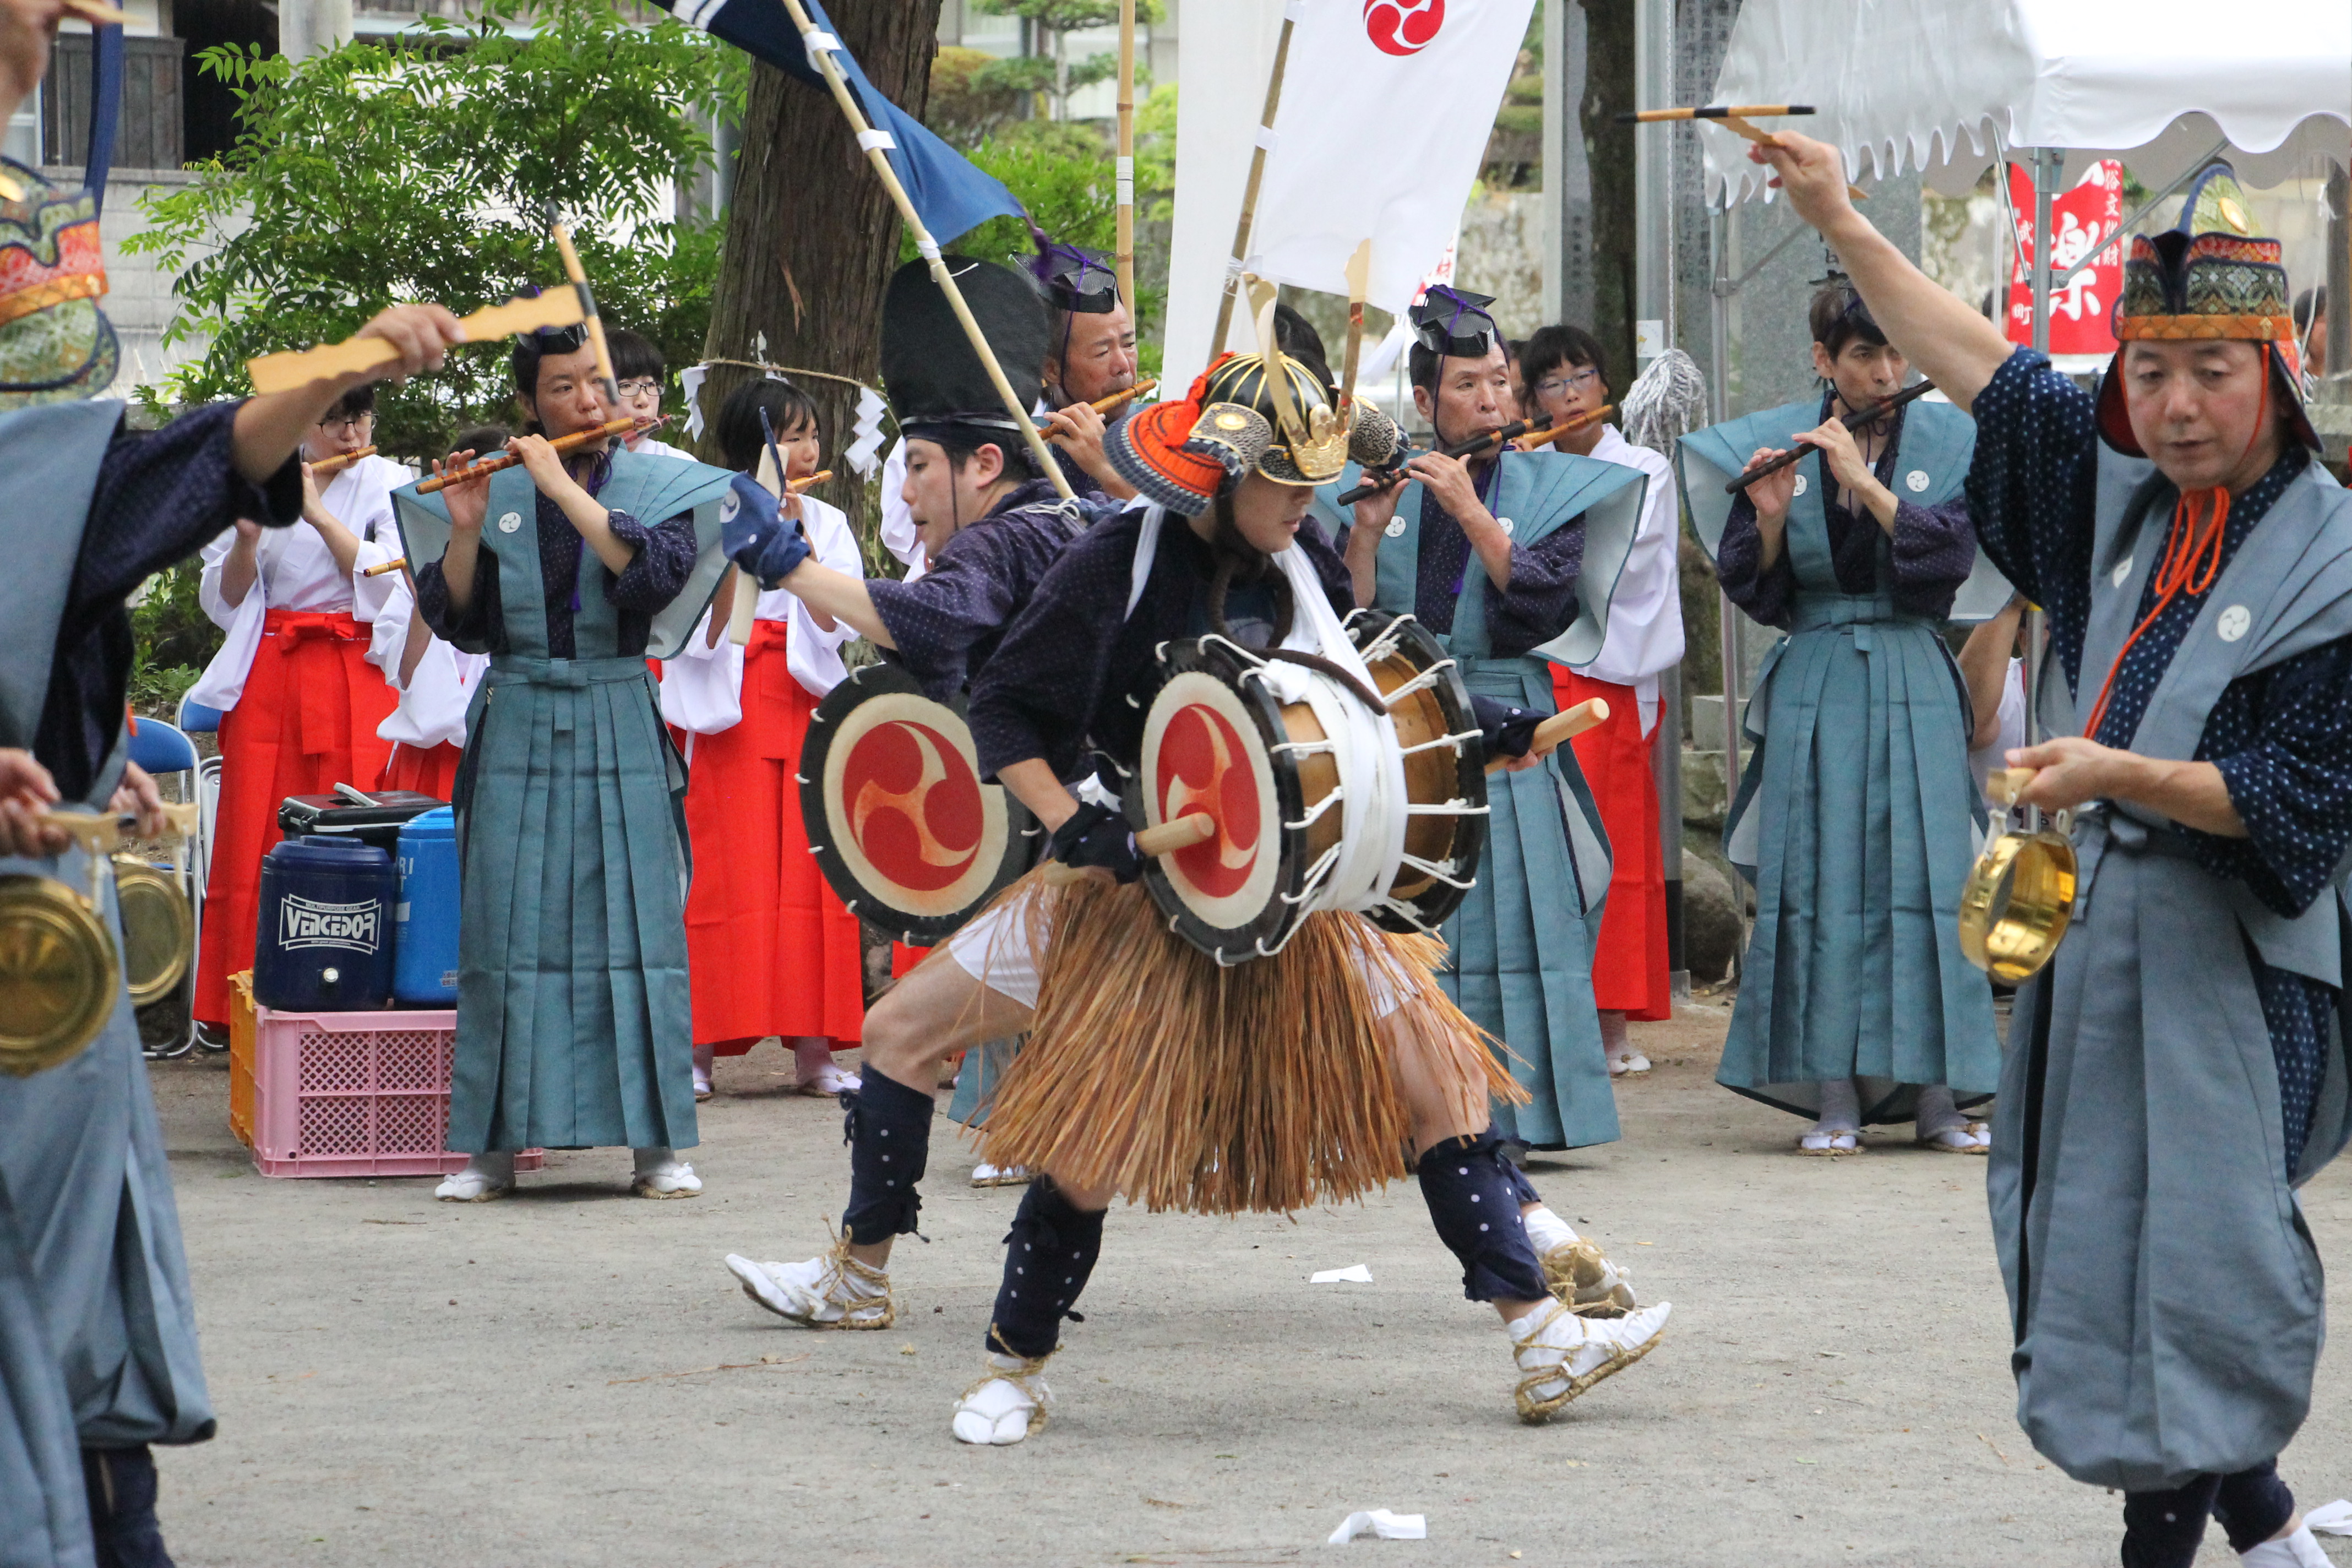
(987, 1175)
(1979, 1135)
(833, 1291)
(1584, 1281)
(1844, 1140)
(1623, 1341)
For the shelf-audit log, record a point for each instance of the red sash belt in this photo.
(319, 692)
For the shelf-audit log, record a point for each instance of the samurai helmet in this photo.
(56, 344)
(2207, 278)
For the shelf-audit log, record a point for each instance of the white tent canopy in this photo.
(1943, 87)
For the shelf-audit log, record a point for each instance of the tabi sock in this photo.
(812, 1054)
(1840, 1107)
(1049, 1254)
(887, 1127)
(1935, 1110)
(1546, 1230)
(121, 1486)
(1474, 1196)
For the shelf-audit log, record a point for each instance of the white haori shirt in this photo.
(432, 707)
(1645, 614)
(294, 570)
(702, 687)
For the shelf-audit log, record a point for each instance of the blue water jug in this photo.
(323, 944)
(425, 961)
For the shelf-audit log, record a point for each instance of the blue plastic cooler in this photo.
(425, 964)
(323, 943)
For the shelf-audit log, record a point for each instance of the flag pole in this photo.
(1124, 260)
(1257, 176)
(876, 143)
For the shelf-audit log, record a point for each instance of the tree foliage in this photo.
(1054, 73)
(416, 169)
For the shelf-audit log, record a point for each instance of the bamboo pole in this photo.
(1249, 192)
(1123, 261)
(1360, 278)
(928, 247)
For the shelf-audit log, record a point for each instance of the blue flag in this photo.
(950, 196)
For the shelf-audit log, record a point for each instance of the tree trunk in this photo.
(1609, 28)
(811, 236)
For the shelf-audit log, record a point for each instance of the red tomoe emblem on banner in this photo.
(1403, 27)
(1204, 768)
(914, 804)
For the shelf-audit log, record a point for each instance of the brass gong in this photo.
(2020, 896)
(159, 928)
(60, 967)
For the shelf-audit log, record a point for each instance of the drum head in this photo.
(58, 974)
(159, 930)
(1208, 746)
(895, 811)
(1399, 649)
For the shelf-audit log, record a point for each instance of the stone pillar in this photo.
(306, 27)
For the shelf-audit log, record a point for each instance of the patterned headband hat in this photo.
(56, 344)
(1185, 453)
(1452, 323)
(2207, 278)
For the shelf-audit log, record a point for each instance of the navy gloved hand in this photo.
(1095, 835)
(756, 534)
(1508, 731)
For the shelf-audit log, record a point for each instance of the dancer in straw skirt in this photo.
(1307, 1077)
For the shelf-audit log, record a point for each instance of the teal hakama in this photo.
(574, 1028)
(1853, 816)
(1519, 950)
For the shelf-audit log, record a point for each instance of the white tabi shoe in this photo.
(834, 1291)
(486, 1176)
(987, 1175)
(662, 1174)
(1007, 1405)
(1560, 1355)
(2300, 1549)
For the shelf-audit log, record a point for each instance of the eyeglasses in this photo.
(643, 386)
(1558, 385)
(358, 421)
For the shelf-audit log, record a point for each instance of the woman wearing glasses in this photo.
(639, 373)
(299, 698)
(1561, 366)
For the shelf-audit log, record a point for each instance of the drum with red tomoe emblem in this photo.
(1319, 803)
(896, 813)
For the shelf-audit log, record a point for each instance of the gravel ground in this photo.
(569, 1377)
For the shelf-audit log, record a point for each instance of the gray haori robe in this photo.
(1519, 959)
(97, 1339)
(1855, 815)
(574, 1029)
(2166, 1294)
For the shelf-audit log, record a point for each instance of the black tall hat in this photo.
(929, 367)
(1072, 279)
(1452, 321)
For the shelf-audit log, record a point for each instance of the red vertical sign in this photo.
(2090, 215)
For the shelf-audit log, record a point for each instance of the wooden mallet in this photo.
(1559, 730)
(1193, 828)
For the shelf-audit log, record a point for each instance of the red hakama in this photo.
(305, 723)
(427, 770)
(1629, 964)
(774, 952)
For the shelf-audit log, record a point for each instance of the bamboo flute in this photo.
(1854, 421)
(339, 462)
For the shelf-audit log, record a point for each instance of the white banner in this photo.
(1220, 93)
(1386, 109)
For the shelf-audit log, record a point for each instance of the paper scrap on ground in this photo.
(2330, 1518)
(1383, 1524)
(1354, 1274)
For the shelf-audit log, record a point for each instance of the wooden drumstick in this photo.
(1559, 728)
(286, 372)
(1734, 118)
(339, 462)
(1193, 828)
(98, 14)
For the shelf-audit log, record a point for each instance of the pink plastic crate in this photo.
(355, 1094)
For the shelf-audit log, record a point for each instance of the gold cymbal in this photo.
(2017, 904)
(58, 974)
(159, 928)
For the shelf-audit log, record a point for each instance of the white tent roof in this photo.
(1930, 84)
